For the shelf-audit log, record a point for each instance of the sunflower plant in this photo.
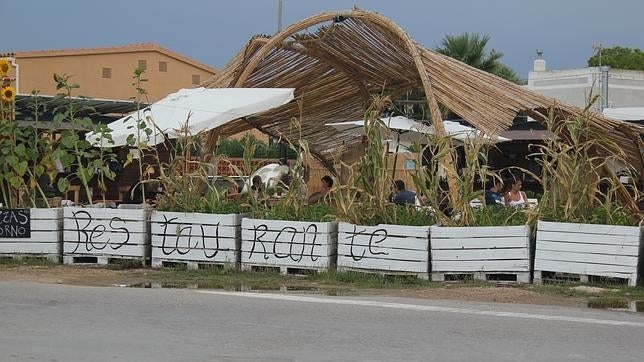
(75, 152)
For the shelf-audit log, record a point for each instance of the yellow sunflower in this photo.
(8, 94)
(5, 67)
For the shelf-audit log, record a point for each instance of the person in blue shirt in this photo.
(493, 195)
(402, 196)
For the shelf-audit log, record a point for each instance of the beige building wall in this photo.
(107, 73)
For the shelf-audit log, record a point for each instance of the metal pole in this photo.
(604, 69)
(282, 150)
(279, 15)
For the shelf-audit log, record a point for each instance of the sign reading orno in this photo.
(15, 223)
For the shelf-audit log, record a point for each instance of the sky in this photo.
(212, 31)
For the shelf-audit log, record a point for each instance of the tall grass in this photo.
(579, 185)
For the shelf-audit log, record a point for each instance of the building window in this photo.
(163, 66)
(107, 72)
(196, 79)
(143, 64)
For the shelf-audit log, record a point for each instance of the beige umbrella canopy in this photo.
(338, 60)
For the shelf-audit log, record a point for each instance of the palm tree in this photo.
(470, 49)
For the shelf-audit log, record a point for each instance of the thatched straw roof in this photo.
(348, 56)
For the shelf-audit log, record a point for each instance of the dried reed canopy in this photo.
(337, 60)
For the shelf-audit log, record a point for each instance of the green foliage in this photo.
(75, 152)
(470, 49)
(498, 215)
(578, 186)
(615, 214)
(619, 58)
(235, 148)
(210, 203)
(313, 213)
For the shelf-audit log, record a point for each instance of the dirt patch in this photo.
(100, 276)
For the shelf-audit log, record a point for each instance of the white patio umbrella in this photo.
(409, 130)
(200, 108)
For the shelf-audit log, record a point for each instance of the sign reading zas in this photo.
(15, 223)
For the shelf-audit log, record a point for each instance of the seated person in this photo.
(402, 196)
(327, 184)
(515, 197)
(493, 195)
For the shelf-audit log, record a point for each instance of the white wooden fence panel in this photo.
(384, 247)
(587, 249)
(105, 232)
(196, 237)
(45, 226)
(291, 244)
(477, 249)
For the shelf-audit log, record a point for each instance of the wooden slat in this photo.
(36, 237)
(615, 271)
(439, 232)
(392, 230)
(279, 225)
(161, 217)
(30, 248)
(382, 253)
(374, 264)
(480, 254)
(481, 266)
(585, 238)
(608, 249)
(269, 259)
(288, 236)
(611, 230)
(480, 243)
(626, 261)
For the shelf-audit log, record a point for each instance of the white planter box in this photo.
(481, 251)
(46, 226)
(384, 248)
(289, 244)
(195, 238)
(105, 234)
(588, 249)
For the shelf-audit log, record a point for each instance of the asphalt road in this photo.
(44, 322)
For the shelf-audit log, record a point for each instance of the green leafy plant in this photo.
(74, 152)
(365, 199)
(580, 186)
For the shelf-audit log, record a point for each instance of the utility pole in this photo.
(282, 150)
